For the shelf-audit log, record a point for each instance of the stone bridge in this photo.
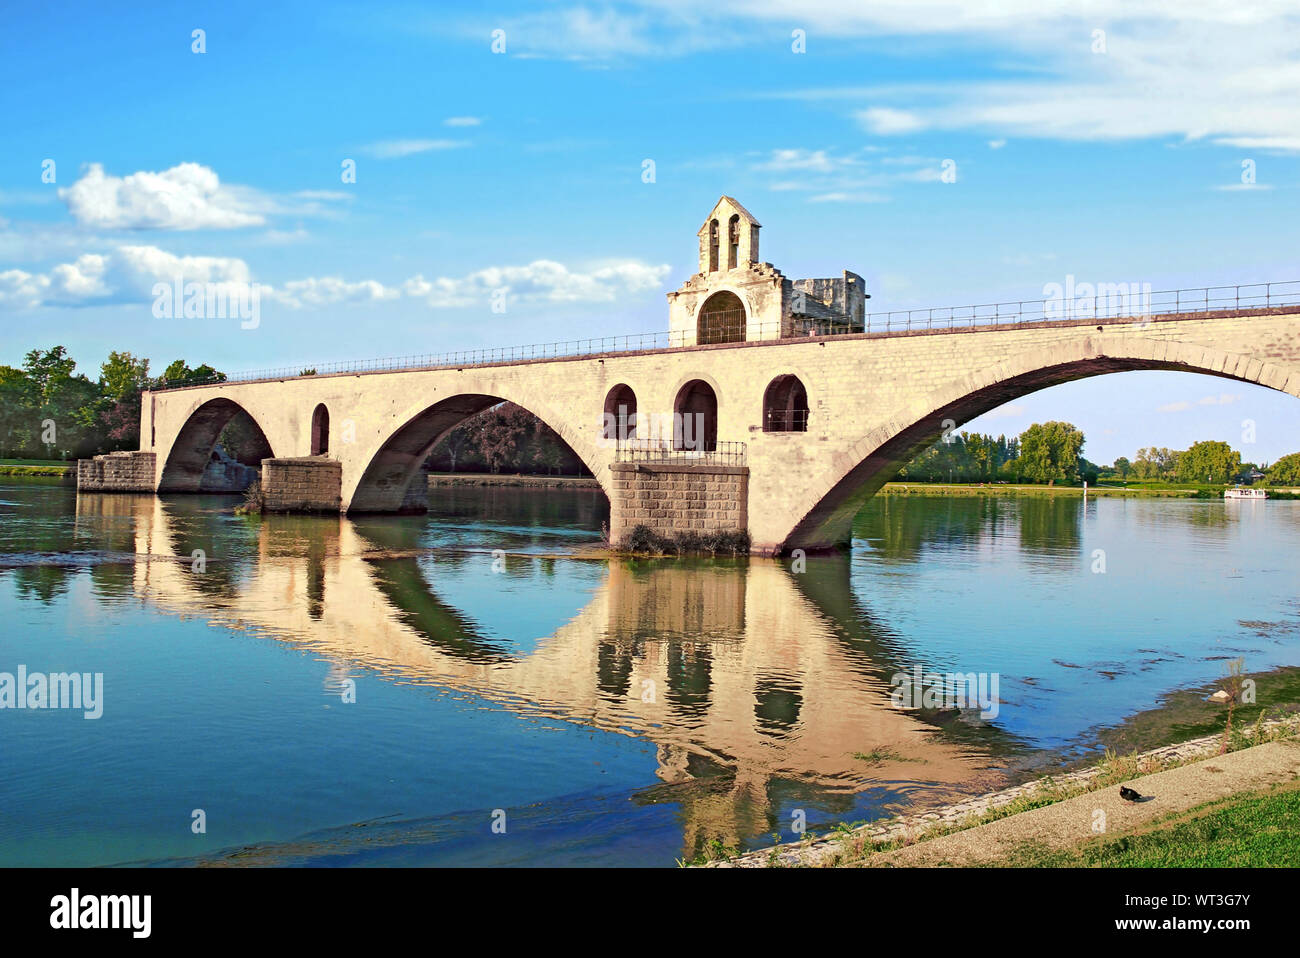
(873, 401)
(775, 408)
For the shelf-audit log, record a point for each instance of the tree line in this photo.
(48, 410)
(1052, 452)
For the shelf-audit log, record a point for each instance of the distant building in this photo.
(737, 298)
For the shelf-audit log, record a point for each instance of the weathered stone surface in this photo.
(306, 484)
(117, 472)
(670, 498)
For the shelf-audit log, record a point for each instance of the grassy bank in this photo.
(37, 467)
(1249, 830)
(1145, 490)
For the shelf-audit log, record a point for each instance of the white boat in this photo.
(1245, 492)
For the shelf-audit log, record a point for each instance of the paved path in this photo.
(1070, 822)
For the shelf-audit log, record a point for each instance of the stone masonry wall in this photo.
(309, 484)
(117, 472)
(672, 499)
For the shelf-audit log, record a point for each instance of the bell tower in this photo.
(728, 238)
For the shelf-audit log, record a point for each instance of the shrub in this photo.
(643, 540)
(254, 501)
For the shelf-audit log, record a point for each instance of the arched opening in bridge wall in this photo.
(620, 414)
(320, 431)
(191, 453)
(394, 481)
(695, 423)
(721, 319)
(713, 246)
(733, 241)
(827, 521)
(785, 405)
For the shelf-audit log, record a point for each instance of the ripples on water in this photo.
(618, 712)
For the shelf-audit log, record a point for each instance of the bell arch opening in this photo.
(785, 405)
(695, 419)
(721, 319)
(190, 464)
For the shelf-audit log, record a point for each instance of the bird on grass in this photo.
(1129, 795)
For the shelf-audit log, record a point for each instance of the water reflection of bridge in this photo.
(739, 674)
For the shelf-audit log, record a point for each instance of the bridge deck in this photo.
(527, 355)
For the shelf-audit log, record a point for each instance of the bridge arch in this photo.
(192, 448)
(386, 482)
(824, 517)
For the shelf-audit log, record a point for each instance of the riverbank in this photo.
(1025, 489)
(1054, 816)
(513, 481)
(38, 467)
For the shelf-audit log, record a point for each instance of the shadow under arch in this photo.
(880, 454)
(190, 452)
(386, 483)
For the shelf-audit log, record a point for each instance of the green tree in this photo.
(122, 377)
(1123, 467)
(16, 423)
(63, 405)
(1284, 472)
(1210, 461)
(179, 372)
(1049, 452)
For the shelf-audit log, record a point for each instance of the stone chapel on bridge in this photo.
(735, 297)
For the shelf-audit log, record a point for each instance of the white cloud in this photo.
(462, 121)
(395, 149)
(888, 121)
(186, 197)
(816, 161)
(1009, 411)
(839, 197)
(539, 281)
(997, 144)
(1202, 70)
(1222, 399)
(127, 274)
(327, 291)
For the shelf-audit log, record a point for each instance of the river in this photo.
(482, 686)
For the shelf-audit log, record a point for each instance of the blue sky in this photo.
(1111, 157)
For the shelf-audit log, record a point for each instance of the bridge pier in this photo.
(676, 498)
(117, 472)
(304, 484)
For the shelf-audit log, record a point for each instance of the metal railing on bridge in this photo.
(1110, 301)
(667, 452)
